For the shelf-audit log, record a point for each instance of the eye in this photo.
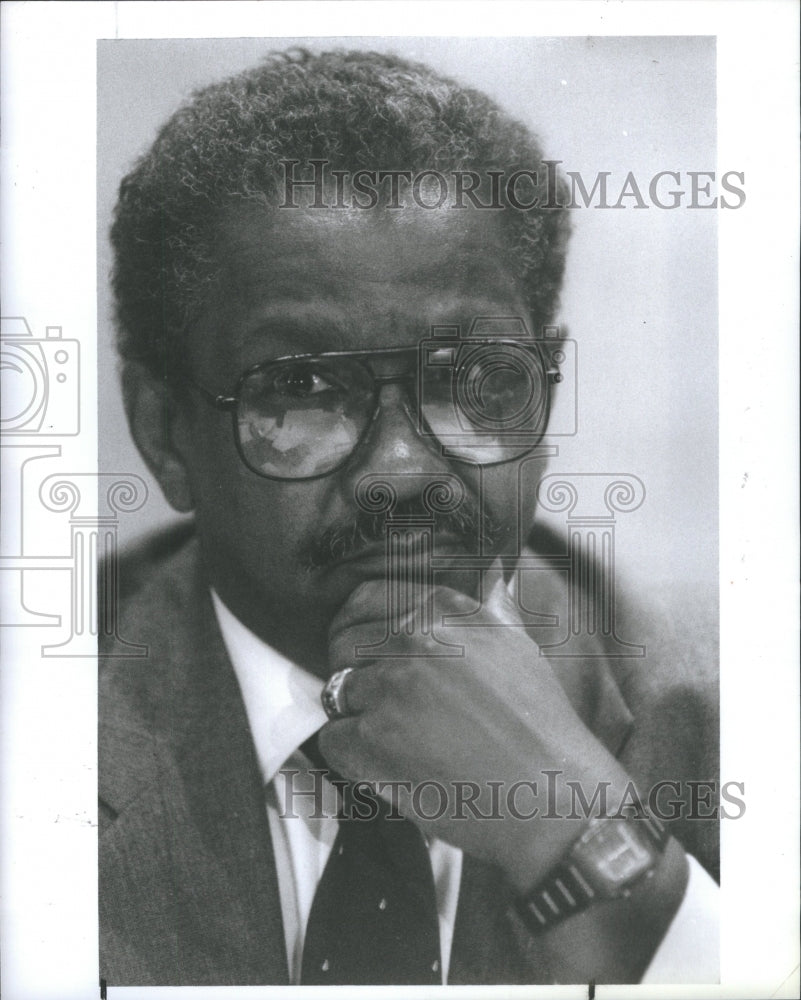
(304, 380)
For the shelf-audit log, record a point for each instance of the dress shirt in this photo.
(282, 703)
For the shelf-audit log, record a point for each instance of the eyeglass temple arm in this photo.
(218, 401)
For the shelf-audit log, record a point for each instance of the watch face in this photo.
(611, 854)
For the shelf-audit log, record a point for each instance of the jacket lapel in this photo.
(192, 838)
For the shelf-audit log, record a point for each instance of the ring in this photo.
(333, 694)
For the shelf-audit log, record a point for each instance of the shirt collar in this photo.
(282, 700)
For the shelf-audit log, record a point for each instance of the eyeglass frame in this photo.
(229, 402)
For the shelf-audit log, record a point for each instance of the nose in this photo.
(399, 472)
(394, 443)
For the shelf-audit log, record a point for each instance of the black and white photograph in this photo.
(396, 578)
(337, 278)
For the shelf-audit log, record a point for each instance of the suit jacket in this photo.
(188, 886)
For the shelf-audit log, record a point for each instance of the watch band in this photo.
(576, 882)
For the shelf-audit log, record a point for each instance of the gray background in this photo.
(641, 286)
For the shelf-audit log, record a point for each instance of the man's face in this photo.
(309, 281)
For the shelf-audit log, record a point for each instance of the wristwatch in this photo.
(604, 863)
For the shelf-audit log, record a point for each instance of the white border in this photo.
(49, 920)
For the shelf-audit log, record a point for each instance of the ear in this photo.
(155, 418)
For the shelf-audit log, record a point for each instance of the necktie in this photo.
(373, 919)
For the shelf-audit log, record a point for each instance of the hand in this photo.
(496, 715)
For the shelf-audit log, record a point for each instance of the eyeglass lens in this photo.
(303, 417)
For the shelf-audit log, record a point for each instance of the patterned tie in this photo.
(373, 920)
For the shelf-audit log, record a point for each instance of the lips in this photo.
(444, 547)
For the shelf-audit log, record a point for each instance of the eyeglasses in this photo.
(304, 416)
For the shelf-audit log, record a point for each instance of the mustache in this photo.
(468, 523)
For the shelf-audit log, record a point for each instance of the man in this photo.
(301, 259)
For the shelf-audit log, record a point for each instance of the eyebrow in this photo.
(299, 330)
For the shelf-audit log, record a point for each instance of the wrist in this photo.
(606, 861)
(618, 938)
(532, 848)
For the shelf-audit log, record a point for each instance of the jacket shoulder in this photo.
(143, 597)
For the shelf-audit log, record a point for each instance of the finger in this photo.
(340, 743)
(366, 686)
(369, 602)
(365, 605)
(367, 618)
(354, 739)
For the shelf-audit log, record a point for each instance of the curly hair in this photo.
(356, 110)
